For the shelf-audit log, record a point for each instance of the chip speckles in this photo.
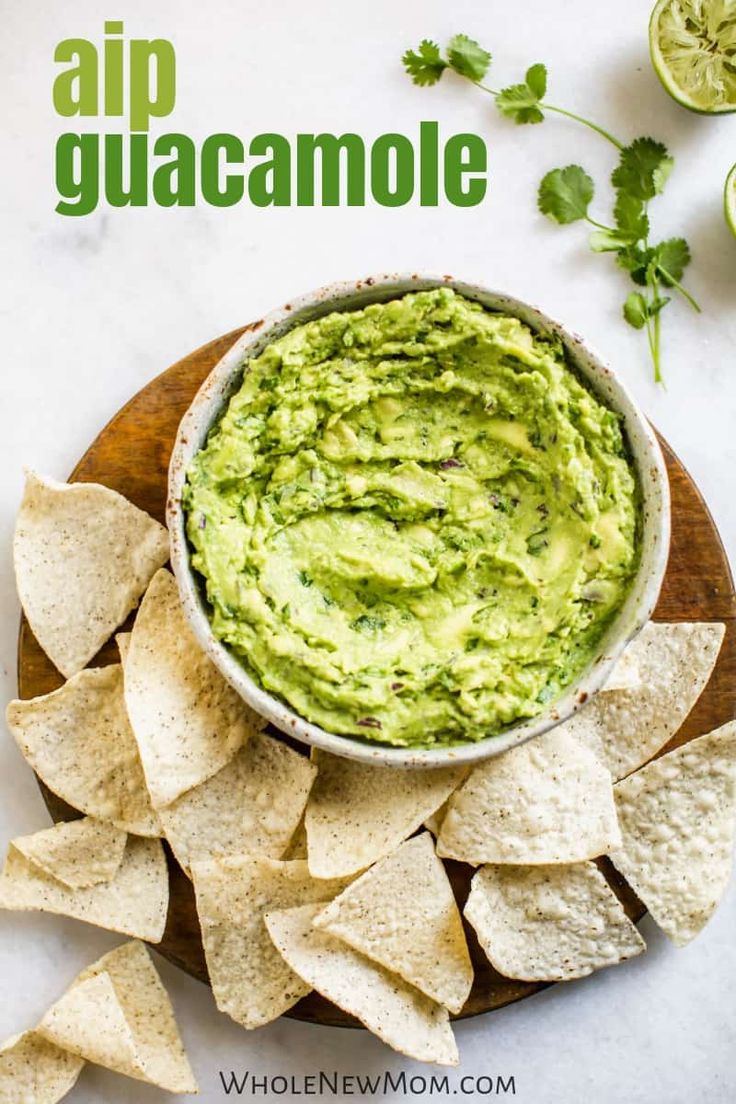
(134, 901)
(548, 801)
(250, 980)
(83, 556)
(397, 1013)
(79, 741)
(357, 812)
(79, 853)
(187, 720)
(677, 825)
(118, 1015)
(549, 923)
(254, 804)
(652, 689)
(34, 1071)
(402, 914)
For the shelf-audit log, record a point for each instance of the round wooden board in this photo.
(131, 455)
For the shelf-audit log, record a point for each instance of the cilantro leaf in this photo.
(565, 194)
(608, 241)
(467, 58)
(631, 217)
(425, 66)
(635, 260)
(515, 103)
(520, 102)
(536, 79)
(643, 169)
(672, 258)
(632, 226)
(656, 304)
(636, 311)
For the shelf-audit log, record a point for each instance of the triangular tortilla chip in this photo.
(117, 1014)
(402, 914)
(677, 822)
(626, 727)
(79, 853)
(397, 1013)
(546, 801)
(252, 806)
(79, 741)
(34, 1071)
(187, 720)
(250, 981)
(83, 556)
(357, 812)
(134, 902)
(549, 923)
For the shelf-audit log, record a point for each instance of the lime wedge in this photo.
(693, 48)
(729, 200)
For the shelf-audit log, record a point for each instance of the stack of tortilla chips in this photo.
(117, 1014)
(324, 873)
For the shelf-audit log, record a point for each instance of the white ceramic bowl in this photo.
(225, 378)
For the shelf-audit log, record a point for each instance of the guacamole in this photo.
(414, 521)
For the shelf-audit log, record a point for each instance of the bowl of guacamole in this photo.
(415, 521)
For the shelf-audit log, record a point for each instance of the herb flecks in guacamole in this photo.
(413, 520)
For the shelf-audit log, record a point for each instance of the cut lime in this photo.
(729, 200)
(693, 48)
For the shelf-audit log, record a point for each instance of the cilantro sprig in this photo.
(523, 102)
(565, 195)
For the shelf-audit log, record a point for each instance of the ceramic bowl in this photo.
(637, 609)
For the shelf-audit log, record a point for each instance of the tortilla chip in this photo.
(250, 981)
(79, 741)
(122, 640)
(677, 819)
(253, 805)
(134, 902)
(79, 853)
(546, 801)
(297, 848)
(83, 556)
(397, 1013)
(626, 727)
(402, 914)
(117, 1014)
(626, 674)
(549, 923)
(187, 720)
(34, 1071)
(433, 823)
(357, 812)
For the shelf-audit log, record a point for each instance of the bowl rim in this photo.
(644, 449)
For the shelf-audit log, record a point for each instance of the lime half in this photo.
(729, 200)
(693, 48)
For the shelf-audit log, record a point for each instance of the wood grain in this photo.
(131, 455)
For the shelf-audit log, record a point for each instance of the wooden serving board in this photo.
(131, 455)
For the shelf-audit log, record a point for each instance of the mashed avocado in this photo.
(413, 520)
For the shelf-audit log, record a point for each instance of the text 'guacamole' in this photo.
(414, 521)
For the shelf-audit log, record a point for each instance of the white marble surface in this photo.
(93, 308)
